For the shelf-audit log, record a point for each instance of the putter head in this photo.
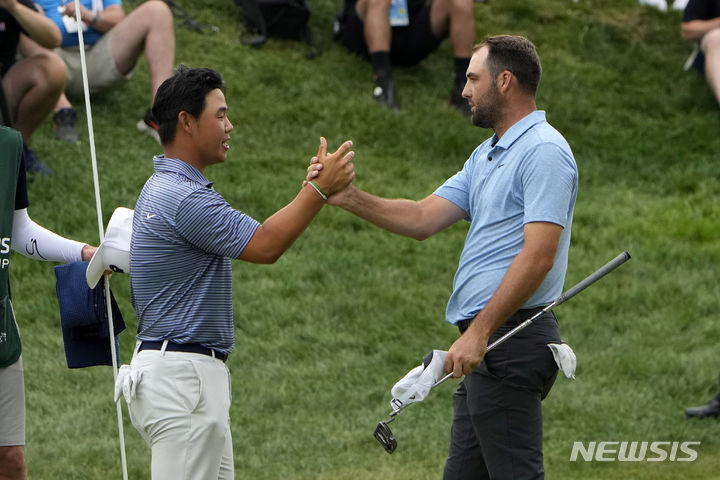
(385, 437)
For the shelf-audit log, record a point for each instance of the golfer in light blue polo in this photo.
(518, 191)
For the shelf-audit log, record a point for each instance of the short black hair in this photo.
(185, 90)
(516, 54)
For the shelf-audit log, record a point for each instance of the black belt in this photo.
(515, 319)
(182, 347)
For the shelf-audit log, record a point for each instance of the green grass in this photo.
(323, 334)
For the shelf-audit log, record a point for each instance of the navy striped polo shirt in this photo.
(184, 235)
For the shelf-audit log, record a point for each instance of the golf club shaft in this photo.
(589, 280)
(594, 277)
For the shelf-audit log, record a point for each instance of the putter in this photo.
(384, 435)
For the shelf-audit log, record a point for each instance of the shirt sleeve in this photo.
(696, 10)
(456, 189)
(21, 196)
(207, 221)
(549, 185)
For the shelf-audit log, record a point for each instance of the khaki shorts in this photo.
(12, 405)
(101, 69)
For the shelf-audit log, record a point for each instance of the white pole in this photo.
(98, 207)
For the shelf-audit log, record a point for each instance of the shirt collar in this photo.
(518, 129)
(175, 165)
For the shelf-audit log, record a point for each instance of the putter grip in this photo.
(594, 277)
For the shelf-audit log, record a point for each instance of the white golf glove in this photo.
(565, 358)
(418, 382)
(127, 382)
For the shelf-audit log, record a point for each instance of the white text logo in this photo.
(634, 451)
(4, 249)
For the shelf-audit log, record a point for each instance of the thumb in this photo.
(322, 149)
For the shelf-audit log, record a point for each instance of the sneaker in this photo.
(33, 164)
(712, 409)
(149, 125)
(384, 93)
(458, 101)
(65, 120)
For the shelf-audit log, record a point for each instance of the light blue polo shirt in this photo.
(70, 39)
(528, 175)
(184, 235)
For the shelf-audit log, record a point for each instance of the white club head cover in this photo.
(565, 358)
(126, 383)
(418, 382)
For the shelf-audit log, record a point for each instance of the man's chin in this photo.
(477, 121)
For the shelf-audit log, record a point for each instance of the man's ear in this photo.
(504, 79)
(186, 121)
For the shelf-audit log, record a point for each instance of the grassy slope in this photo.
(323, 334)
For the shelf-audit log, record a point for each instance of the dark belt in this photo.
(182, 347)
(515, 319)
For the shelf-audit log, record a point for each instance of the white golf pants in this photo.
(181, 408)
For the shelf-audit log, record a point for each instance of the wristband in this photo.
(95, 19)
(318, 189)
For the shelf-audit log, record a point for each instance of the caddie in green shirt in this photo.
(18, 232)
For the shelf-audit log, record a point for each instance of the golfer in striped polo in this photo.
(184, 236)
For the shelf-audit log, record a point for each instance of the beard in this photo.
(486, 112)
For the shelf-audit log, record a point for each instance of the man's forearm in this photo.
(38, 27)
(696, 29)
(34, 241)
(394, 215)
(520, 282)
(414, 219)
(524, 276)
(277, 234)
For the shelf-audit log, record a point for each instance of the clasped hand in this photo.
(69, 10)
(337, 168)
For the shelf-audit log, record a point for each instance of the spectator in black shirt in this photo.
(402, 33)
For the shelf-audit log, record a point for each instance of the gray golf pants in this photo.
(497, 423)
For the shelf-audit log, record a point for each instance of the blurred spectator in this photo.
(402, 33)
(712, 409)
(114, 41)
(701, 23)
(32, 85)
